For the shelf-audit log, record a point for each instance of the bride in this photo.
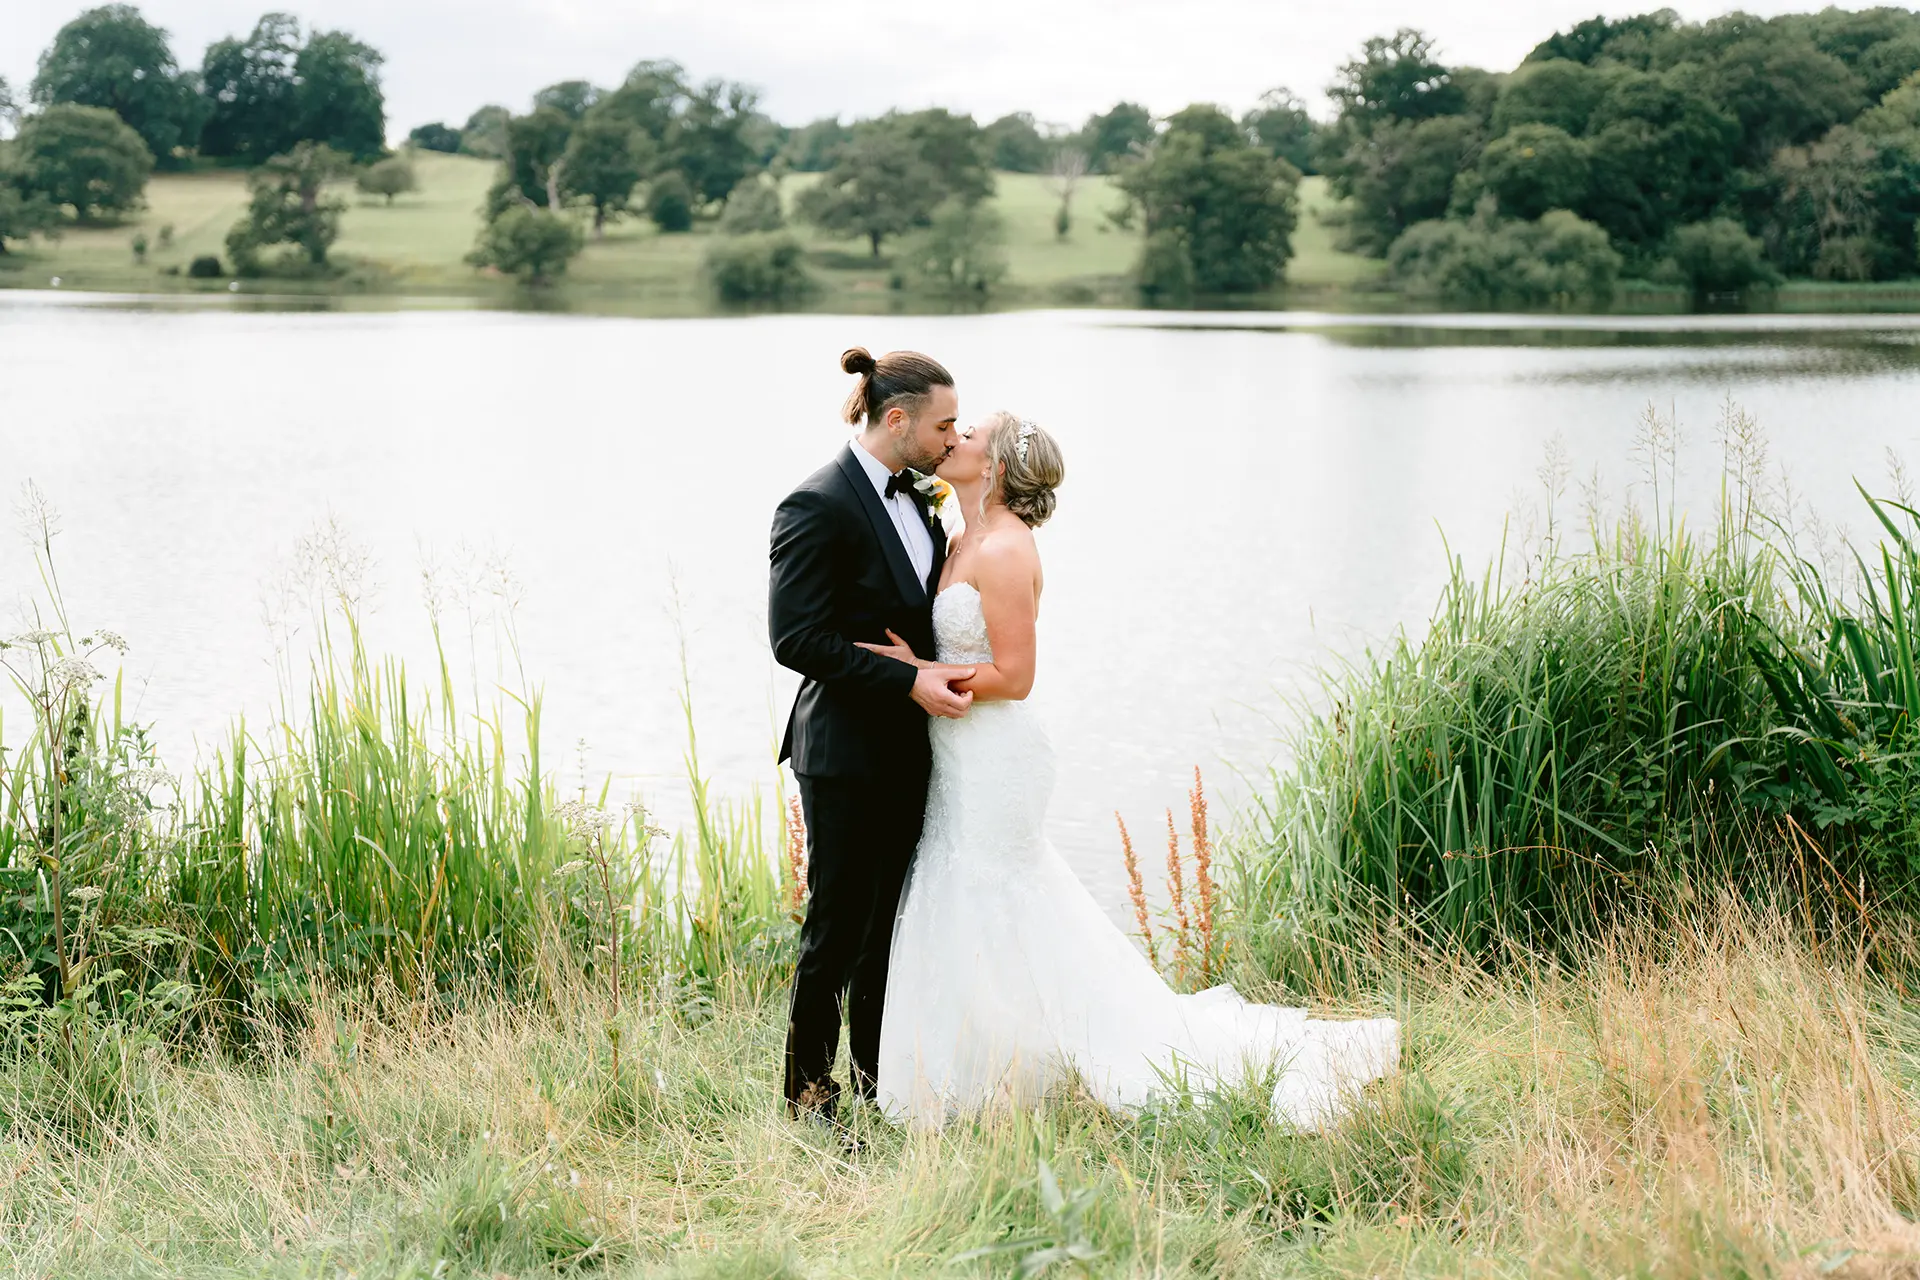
(1006, 976)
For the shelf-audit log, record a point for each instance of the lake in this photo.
(1247, 495)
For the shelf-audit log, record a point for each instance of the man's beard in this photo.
(921, 462)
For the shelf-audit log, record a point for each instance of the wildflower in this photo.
(35, 637)
(88, 892)
(568, 868)
(72, 673)
(111, 640)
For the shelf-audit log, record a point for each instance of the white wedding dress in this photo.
(1006, 975)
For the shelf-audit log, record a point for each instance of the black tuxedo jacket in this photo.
(840, 574)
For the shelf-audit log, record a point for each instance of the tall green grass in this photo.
(1579, 732)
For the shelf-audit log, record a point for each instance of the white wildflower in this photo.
(580, 818)
(88, 892)
(567, 869)
(111, 640)
(35, 637)
(73, 673)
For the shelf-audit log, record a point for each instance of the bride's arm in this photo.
(1007, 574)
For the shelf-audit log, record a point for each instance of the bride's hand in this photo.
(899, 650)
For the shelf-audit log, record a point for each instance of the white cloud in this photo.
(1060, 59)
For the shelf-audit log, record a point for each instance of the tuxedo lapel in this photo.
(889, 537)
(938, 533)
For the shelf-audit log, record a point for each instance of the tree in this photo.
(1015, 145)
(1628, 41)
(670, 202)
(536, 148)
(1395, 77)
(389, 177)
(571, 98)
(289, 205)
(112, 57)
(961, 253)
(1718, 256)
(337, 97)
(1782, 90)
(1398, 173)
(529, 242)
(1828, 200)
(651, 97)
(1559, 261)
(86, 157)
(709, 139)
(881, 186)
(953, 148)
(1555, 91)
(485, 133)
(1662, 155)
(250, 89)
(434, 137)
(24, 213)
(605, 159)
(1280, 123)
(1069, 166)
(812, 148)
(758, 267)
(1534, 168)
(753, 207)
(1229, 204)
(1108, 139)
(9, 109)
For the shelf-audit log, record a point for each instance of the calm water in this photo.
(1246, 494)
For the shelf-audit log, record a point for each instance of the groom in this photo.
(855, 554)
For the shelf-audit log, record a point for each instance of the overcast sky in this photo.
(1060, 59)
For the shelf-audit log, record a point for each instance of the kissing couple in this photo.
(973, 968)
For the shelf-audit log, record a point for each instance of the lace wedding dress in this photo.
(1006, 975)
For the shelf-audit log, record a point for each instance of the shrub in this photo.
(389, 177)
(1561, 260)
(753, 206)
(961, 253)
(139, 246)
(670, 202)
(527, 241)
(1166, 269)
(206, 267)
(1718, 256)
(763, 267)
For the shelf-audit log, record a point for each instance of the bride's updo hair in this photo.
(899, 379)
(1025, 486)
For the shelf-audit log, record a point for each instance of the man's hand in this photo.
(931, 691)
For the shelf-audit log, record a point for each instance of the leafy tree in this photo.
(709, 141)
(112, 57)
(571, 98)
(1628, 41)
(1783, 91)
(536, 148)
(1663, 154)
(1280, 123)
(1845, 207)
(758, 267)
(338, 101)
(605, 159)
(289, 205)
(1559, 261)
(753, 207)
(1398, 173)
(1015, 145)
(1534, 168)
(529, 242)
(881, 186)
(812, 148)
(1718, 256)
(1110, 138)
(434, 137)
(24, 213)
(485, 133)
(1166, 269)
(1069, 166)
(9, 109)
(954, 148)
(961, 253)
(670, 202)
(651, 97)
(389, 177)
(1396, 77)
(1230, 205)
(86, 157)
(1555, 91)
(251, 88)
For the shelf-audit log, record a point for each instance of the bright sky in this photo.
(1060, 59)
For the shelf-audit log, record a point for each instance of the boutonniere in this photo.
(942, 507)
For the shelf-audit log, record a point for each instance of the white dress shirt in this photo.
(913, 531)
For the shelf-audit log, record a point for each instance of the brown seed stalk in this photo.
(1177, 895)
(1203, 871)
(1135, 890)
(796, 853)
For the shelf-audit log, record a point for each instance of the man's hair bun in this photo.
(858, 360)
(902, 378)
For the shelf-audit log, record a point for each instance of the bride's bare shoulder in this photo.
(1008, 547)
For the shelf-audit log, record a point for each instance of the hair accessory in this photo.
(1027, 428)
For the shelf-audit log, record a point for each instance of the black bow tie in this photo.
(901, 482)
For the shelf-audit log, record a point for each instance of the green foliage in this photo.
(1663, 154)
(651, 97)
(24, 214)
(1230, 206)
(1718, 256)
(1115, 136)
(1166, 269)
(1782, 90)
(112, 57)
(485, 133)
(813, 147)
(389, 177)
(753, 206)
(1558, 261)
(605, 159)
(1280, 123)
(1845, 207)
(1015, 145)
(961, 254)
(711, 139)
(435, 137)
(880, 187)
(751, 266)
(289, 205)
(205, 266)
(1397, 173)
(1534, 168)
(1396, 77)
(670, 202)
(84, 157)
(571, 98)
(536, 145)
(529, 241)
(1553, 91)
(275, 89)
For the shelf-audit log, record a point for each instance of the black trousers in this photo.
(861, 834)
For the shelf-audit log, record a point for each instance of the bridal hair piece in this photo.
(899, 379)
(1028, 463)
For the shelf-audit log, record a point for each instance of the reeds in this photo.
(1199, 947)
